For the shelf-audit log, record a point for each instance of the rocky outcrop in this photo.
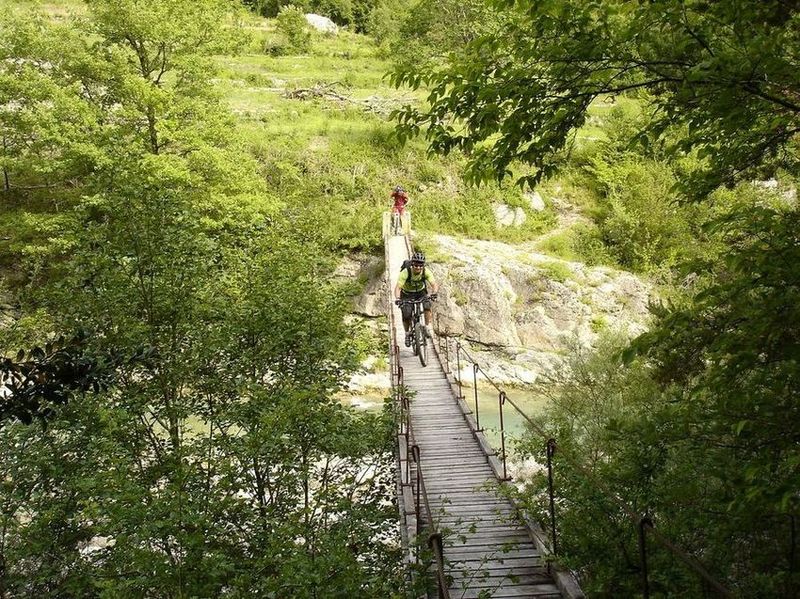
(519, 310)
(508, 216)
(367, 271)
(504, 295)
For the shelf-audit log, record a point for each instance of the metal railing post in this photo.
(417, 489)
(501, 399)
(436, 547)
(644, 521)
(475, 392)
(408, 439)
(458, 369)
(792, 555)
(551, 449)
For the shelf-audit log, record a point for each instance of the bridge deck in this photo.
(486, 548)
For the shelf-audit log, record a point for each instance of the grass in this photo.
(556, 271)
(58, 10)
(347, 154)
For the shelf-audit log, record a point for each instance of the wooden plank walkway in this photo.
(488, 551)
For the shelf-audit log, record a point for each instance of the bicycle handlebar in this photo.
(433, 297)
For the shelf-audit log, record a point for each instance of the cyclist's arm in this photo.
(401, 280)
(430, 282)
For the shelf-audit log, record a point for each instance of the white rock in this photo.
(323, 24)
(503, 215)
(506, 216)
(535, 200)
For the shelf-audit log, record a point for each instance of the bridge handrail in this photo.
(642, 522)
(420, 493)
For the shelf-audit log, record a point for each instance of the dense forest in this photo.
(175, 338)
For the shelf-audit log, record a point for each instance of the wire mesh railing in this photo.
(452, 353)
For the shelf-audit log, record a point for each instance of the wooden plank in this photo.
(528, 591)
(464, 510)
(526, 576)
(457, 496)
(480, 519)
(469, 553)
(489, 531)
(493, 564)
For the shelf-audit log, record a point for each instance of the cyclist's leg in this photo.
(426, 307)
(407, 311)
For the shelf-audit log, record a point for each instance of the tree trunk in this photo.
(6, 182)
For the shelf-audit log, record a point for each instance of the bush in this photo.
(339, 11)
(292, 23)
(642, 224)
(582, 242)
(384, 20)
(271, 8)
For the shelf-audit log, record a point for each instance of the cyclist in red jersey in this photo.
(400, 200)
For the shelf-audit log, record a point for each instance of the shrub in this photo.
(339, 11)
(292, 23)
(643, 224)
(582, 242)
(556, 271)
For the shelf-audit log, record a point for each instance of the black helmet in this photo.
(418, 258)
(399, 189)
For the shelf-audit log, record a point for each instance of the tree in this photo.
(46, 127)
(223, 463)
(722, 74)
(430, 31)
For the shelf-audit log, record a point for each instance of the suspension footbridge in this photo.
(455, 519)
(458, 526)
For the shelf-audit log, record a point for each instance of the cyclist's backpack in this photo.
(407, 267)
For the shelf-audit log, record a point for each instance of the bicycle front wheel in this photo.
(422, 344)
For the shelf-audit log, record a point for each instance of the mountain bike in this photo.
(419, 331)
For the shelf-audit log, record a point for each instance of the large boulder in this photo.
(322, 24)
(535, 200)
(374, 297)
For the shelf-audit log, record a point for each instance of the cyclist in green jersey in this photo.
(414, 283)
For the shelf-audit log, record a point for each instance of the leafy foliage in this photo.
(49, 377)
(697, 429)
(431, 31)
(292, 23)
(222, 464)
(721, 73)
